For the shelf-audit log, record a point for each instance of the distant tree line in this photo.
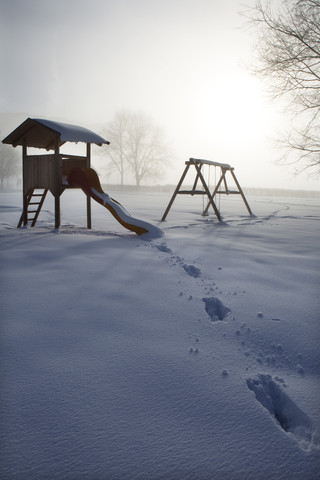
(137, 147)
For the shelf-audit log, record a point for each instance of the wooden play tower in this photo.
(48, 172)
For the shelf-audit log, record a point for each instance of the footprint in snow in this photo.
(192, 270)
(215, 308)
(163, 248)
(283, 410)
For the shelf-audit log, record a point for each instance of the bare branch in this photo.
(288, 58)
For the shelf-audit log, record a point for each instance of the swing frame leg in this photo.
(241, 192)
(175, 193)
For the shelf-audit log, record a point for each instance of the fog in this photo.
(183, 62)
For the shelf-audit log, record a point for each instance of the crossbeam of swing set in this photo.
(198, 164)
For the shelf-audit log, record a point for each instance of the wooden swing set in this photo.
(220, 188)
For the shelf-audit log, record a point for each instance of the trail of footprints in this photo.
(268, 390)
(213, 305)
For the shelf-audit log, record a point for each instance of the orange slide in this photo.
(88, 180)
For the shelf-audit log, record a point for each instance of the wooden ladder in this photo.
(34, 202)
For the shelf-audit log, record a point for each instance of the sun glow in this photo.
(232, 109)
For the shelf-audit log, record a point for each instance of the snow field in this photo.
(191, 356)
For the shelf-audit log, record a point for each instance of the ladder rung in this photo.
(38, 205)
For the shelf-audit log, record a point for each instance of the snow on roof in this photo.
(42, 133)
(72, 133)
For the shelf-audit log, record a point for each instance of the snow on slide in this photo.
(88, 180)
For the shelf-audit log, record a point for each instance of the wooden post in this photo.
(197, 178)
(57, 178)
(88, 196)
(25, 203)
(225, 180)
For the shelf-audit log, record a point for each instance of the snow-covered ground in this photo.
(194, 355)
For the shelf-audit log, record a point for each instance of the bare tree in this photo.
(288, 57)
(10, 164)
(146, 152)
(136, 143)
(116, 134)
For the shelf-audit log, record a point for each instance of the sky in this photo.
(182, 62)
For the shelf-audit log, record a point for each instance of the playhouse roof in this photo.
(41, 133)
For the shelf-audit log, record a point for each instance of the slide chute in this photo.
(88, 180)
